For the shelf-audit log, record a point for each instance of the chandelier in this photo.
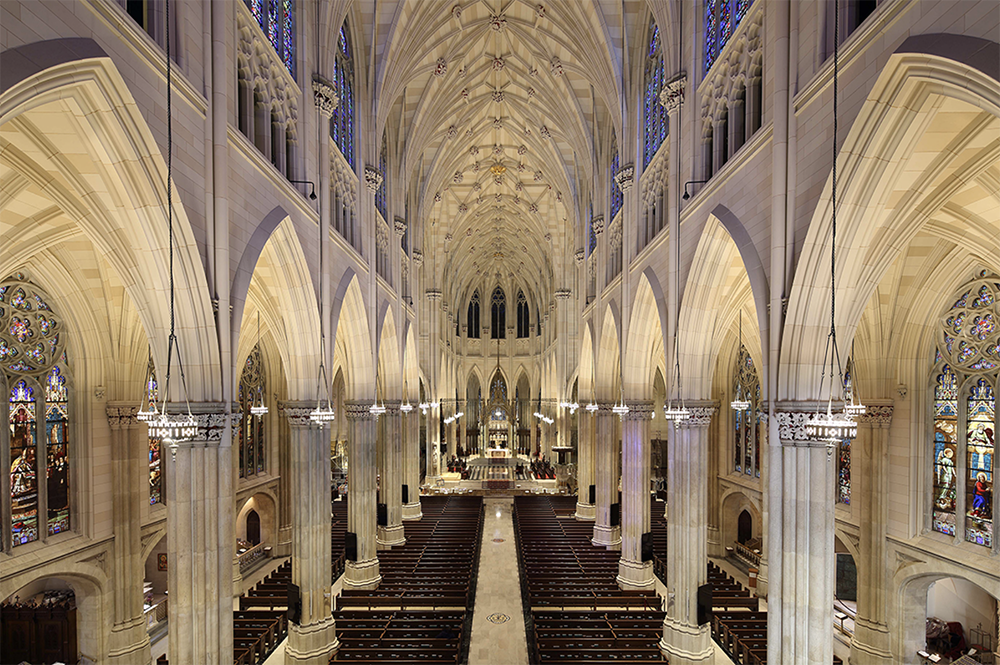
(258, 408)
(740, 404)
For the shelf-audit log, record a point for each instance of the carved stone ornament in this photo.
(598, 225)
(556, 66)
(456, 11)
(498, 96)
(562, 294)
(418, 258)
(437, 197)
(639, 410)
(297, 416)
(544, 131)
(458, 177)
(452, 132)
(358, 410)
(373, 179)
(324, 96)
(579, 256)
(498, 23)
(701, 416)
(440, 67)
(399, 225)
(498, 64)
(625, 177)
(433, 294)
(793, 426)
(540, 11)
(538, 176)
(122, 416)
(672, 95)
(877, 416)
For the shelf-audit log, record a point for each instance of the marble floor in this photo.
(498, 620)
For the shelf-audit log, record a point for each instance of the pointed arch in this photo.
(353, 338)
(644, 351)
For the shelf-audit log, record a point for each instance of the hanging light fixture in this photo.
(740, 403)
(854, 409)
(832, 428)
(676, 412)
(258, 408)
(171, 429)
(147, 411)
(324, 412)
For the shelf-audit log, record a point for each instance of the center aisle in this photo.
(498, 619)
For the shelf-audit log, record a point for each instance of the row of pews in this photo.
(577, 612)
(338, 534)
(421, 610)
(658, 526)
(261, 622)
(738, 625)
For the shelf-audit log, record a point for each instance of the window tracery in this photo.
(342, 120)
(654, 114)
(277, 20)
(252, 431)
(35, 371)
(472, 318)
(965, 368)
(153, 450)
(523, 323)
(721, 19)
(498, 312)
(746, 449)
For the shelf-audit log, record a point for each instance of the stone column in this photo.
(313, 640)
(737, 118)
(411, 463)
(801, 597)
(633, 572)
(200, 541)
(684, 640)
(129, 641)
(871, 644)
(606, 466)
(391, 473)
(719, 155)
(585, 510)
(362, 573)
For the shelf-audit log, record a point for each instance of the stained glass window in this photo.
(721, 19)
(342, 120)
(380, 194)
(153, 443)
(24, 464)
(498, 314)
(252, 431)
(523, 323)
(616, 193)
(473, 316)
(591, 236)
(967, 359)
(844, 473)
(276, 19)
(57, 451)
(980, 424)
(746, 385)
(654, 114)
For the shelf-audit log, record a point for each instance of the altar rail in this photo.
(253, 555)
(748, 555)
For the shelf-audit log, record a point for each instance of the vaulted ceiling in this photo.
(498, 111)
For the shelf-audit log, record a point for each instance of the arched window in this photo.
(538, 323)
(616, 193)
(342, 120)
(523, 324)
(277, 19)
(844, 456)
(380, 193)
(498, 388)
(964, 379)
(153, 447)
(591, 236)
(252, 437)
(473, 316)
(654, 114)
(746, 451)
(35, 374)
(498, 314)
(721, 19)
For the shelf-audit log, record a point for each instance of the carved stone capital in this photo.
(563, 294)
(392, 407)
(359, 410)
(298, 415)
(418, 258)
(625, 177)
(324, 96)
(580, 256)
(672, 95)
(122, 415)
(598, 225)
(793, 420)
(399, 226)
(373, 178)
(879, 415)
(433, 294)
(701, 416)
(640, 410)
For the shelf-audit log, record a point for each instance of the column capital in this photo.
(399, 226)
(563, 294)
(359, 410)
(433, 294)
(877, 415)
(373, 178)
(598, 224)
(701, 414)
(122, 414)
(672, 95)
(297, 413)
(625, 177)
(392, 407)
(418, 258)
(640, 410)
(324, 96)
(579, 256)
(793, 420)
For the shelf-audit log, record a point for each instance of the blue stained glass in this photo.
(273, 20)
(654, 115)
(287, 29)
(342, 121)
(257, 9)
(725, 23)
(616, 192)
(654, 41)
(741, 9)
(710, 35)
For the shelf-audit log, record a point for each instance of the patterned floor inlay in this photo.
(498, 617)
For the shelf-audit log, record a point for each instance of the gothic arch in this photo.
(608, 360)
(645, 347)
(892, 183)
(353, 338)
